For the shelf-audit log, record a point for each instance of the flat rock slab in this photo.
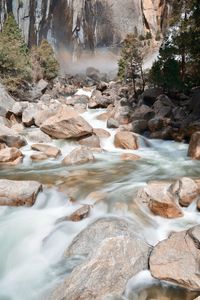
(177, 259)
(48, 150)
(107, 270)
(18, 193)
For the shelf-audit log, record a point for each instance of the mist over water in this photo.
(103, 59)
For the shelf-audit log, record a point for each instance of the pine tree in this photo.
(131, 61)
(14, 58)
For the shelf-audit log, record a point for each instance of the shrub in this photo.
(148, 35)
(43, 57)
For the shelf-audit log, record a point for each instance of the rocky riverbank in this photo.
(85, 142)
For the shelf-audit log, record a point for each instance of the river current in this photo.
(34, 239)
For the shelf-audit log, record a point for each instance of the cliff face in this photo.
(92, 23)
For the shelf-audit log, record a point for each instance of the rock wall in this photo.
(90, 23)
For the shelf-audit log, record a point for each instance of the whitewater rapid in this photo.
(33, 239)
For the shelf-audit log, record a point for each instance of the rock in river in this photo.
(126, 140)
(115, 254)
(11, 138)
(18, 193)
(80, 155)
(66, 124)
(48, 150)
(177, 259)
(10, 156)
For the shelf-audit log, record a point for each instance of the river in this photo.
(34, 239)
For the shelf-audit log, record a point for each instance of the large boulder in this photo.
(112, 264)
(126, 140)
(143, 112)
(79, 155)
(10, 156)
(66, 124)
(110, 273)
(176, 259)
(157, 195)
(194, 101)
(150, 95)
(78, 101)
(163, 106)
(99, 100)
(11, 138)
(91, 237)
(194, 147)
(50, 151)
(6, 101)
(18, 193)
(28, 115)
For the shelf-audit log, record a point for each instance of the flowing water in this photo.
(33, 239)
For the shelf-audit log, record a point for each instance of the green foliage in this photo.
(45, 58)
(148, 35)
(14, 60)
(179, 58)
(130, 63)
(141, 37)
(18, 63)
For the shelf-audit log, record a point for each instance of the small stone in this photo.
(80, 213)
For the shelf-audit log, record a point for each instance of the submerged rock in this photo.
(129, 156)
(66, 124)
(126, 140)
(79, 155)
(176, 259)
(18, 193)
(39, 156)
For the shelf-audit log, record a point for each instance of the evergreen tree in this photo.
(131, 61)
(180, 51)
(14, 59)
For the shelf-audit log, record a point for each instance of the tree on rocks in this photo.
(14, 58)
(131, 62)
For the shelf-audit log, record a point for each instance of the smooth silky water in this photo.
(34, 239)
